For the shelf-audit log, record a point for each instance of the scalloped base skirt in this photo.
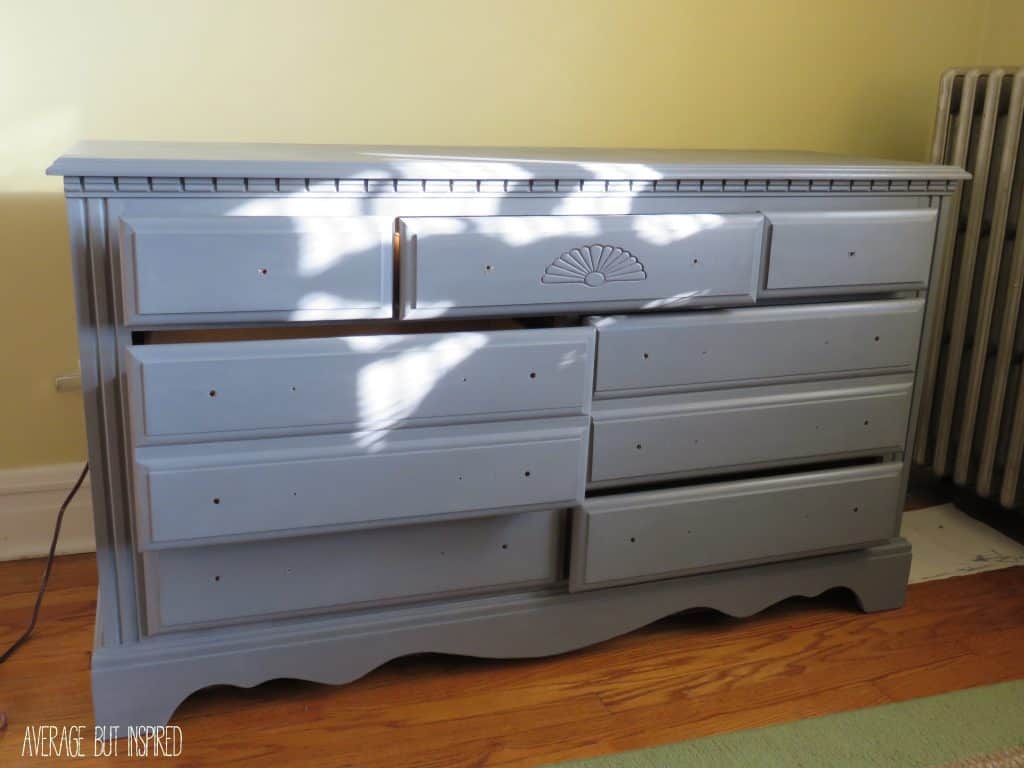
(142, 684)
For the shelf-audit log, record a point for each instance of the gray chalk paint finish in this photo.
(544, 397)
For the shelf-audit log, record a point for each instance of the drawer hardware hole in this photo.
(504, 546)
(216, 499)
(695, 261)
(866, 422)
(639, 446)
(533, 374)
(526, 473)
(263, 271)
(876, 338)
(216, 578)
(646, 356)
(856, 509)
(851, 254)
(488, 268)
(293, 389)
(213, 393)
(632, 539)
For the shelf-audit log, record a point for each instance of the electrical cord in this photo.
(49, 567)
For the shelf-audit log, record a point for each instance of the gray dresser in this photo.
(350, 403)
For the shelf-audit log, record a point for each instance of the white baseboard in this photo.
(29, 500)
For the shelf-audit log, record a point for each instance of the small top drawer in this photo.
(244, 268)
(850, 251)
(540, 264)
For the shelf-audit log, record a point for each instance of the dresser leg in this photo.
(882, 585)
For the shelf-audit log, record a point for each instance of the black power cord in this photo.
(49, 567)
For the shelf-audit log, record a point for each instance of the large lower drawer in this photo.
(654, 438)
(489, 265)
(180, 269)
(645, 355)
(363, 383)
(207, 492)
(658, 534)
(850, 251)
(256, 580)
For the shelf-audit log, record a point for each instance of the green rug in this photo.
(920, 733)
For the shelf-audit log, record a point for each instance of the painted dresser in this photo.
(350, 403)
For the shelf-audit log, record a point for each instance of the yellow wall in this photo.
(855, 76)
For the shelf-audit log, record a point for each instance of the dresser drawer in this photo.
(286, 486)
(651, 438)
(234, 268)
(363, 383)
(258, 580)
(539, 264)
(850, 251)
(638, 355)
(658, 534)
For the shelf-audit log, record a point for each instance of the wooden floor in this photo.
(687, 676)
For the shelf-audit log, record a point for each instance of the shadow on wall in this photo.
(37, 329)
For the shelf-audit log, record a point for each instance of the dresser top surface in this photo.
(186, 159)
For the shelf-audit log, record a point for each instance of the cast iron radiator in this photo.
(971, 425)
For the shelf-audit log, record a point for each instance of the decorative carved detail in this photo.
(595, 265)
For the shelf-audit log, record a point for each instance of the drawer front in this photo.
(539, 264)
(231, 268)
(688, 435)
(216, 491)
(365, 383)
(659, 534)
(235, 582)
(736, 346)
(850, 251)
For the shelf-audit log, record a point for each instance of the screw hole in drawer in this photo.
(876, 338)
(263, 271)
(533, 374)
(213, 393)
(216, 578)
(639, 446)
(504, 546)
(646, 356)
(216, 499)
(526, 473)
(632, 539)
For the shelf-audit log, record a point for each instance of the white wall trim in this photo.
(29, 500)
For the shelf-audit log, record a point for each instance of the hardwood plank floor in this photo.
(687, 676)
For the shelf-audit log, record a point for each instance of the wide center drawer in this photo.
(215, 269)
(479, 265)
(260, 580)
(208, 492)
(658, 534)
(687, 435)
(363, 383)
